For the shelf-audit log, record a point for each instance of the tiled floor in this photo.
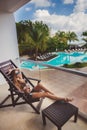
(62, 84)
(65, 84)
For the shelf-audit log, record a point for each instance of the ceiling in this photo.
(11, 5)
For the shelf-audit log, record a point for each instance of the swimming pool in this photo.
(61, 59)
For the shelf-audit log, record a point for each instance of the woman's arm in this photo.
(18, 88)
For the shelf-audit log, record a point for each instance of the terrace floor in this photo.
(62, 84)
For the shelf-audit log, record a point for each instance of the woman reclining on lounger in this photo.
(38, 91)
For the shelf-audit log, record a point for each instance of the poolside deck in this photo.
(62, 84)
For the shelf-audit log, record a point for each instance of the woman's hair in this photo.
(13, 73)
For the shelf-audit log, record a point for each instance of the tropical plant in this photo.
(71, 36)
(21, 33)
(51, 44)
(61, 40)
(84, 34)
(23, 37)
(39, 33)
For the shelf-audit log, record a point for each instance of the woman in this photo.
(37, 92)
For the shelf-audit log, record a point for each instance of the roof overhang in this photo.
(11, 5)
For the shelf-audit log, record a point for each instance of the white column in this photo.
(8, 38)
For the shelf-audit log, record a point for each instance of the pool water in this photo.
(61, 59)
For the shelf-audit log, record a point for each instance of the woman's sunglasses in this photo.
(17, 72)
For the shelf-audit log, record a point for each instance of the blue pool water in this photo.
(62, 58)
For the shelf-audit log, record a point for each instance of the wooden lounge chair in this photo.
(15, 95)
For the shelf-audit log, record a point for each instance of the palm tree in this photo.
(61, 35)
(71, 36)
(20, 32)
(61, 40)
(39, 33)
(24, 40)
(85, 37)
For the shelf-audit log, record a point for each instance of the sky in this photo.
(59, 15)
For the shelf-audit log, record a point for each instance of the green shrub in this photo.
(75, 65)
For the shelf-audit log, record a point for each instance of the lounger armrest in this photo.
(16, 91)
(34, 79)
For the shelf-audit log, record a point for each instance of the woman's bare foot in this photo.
(68, 99)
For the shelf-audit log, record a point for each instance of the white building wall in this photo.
(8, 38)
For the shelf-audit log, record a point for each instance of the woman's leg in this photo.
(40, 87)
(49, 95)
